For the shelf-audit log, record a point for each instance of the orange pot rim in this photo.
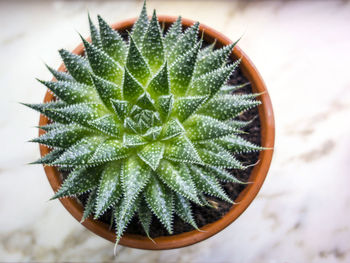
(244, 199)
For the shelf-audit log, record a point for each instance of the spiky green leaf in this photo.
(140, 27)
(172, 129)
(60, 75)
(145, 216)
(113, 44)
(184, 43)
(178, 178)
(202, 127)
(80, 113)
(107, 124)
(236, 144)
(109, 189)
(159, 85)
(132, 89)
(136, 64)
(152, 44)
(210, 83)
(160, 200)
(90, 205)
(214, 155)
(227, 107)
(63, 137)
(79, 181)
(207, 183)
(212, 61)
(50, 157)
(77, 66)
(151, 154)
(71, 92)
(102, 64)
(164, 105)
(95, 35)
(79, 153)
(108, 151)
(172, 35)
(183, 210)
(184, 107)
(181, 149)
(181, 71)
(106, 90)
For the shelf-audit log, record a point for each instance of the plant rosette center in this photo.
(145, 125)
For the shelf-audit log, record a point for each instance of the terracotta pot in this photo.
(245, 197)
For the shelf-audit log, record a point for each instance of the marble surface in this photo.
(302, 213)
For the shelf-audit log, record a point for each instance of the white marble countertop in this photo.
(302, 50)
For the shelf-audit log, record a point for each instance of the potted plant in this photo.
(145, 124)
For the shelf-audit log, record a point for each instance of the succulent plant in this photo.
(146, 125)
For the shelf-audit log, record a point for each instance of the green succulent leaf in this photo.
(181, 149)
(90, 205)
(160, 200)
(212, 61)
(221, 174)
(207, 183)
(106, 90)
(135, 176)
(109, 189)
(108, 151)
(79, 181)
(216, 156)
(172, 35)
(181, 70)
(172, 129)
(95, 35)
(210, 83)
(183, 210)
(145, 101)
(81, 113)
(132, 140)
(164, 105)
(141, 25)
(107, 124)
(112, 43)
(102, 64)
(184, 107)
(226, 107)
(186, 42)
(236, 144)
(120, 107)
(160, 85)
(48, 109)
(71, 92)
(202, 127)
(136, 64)
(132, 89)
(79, 153)
(60, 75)
(152, 44)
(206, 50)
(123, 214)
(151, 154)
(64, 137)
(50, 157)
(153, 133)
(178, 179)
(77, 66)
(145, 216)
